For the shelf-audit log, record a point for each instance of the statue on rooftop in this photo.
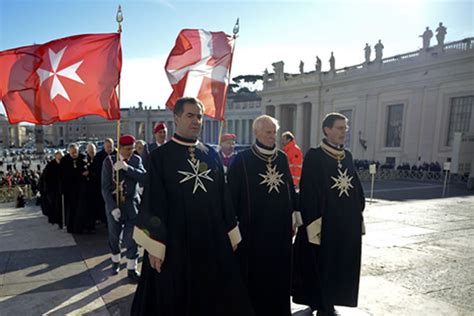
(441, 33)
(318, 64)
(379, 51)
(265, 75)
(332, 62)
(367, 51)
(427, 35)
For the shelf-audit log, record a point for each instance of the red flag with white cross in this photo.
(62, 80)
(199, 66)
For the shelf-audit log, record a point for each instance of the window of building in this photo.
(394, 125)
(348, 141)
(460, 116)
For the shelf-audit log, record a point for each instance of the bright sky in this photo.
(270, 31)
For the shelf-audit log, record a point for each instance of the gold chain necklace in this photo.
(330, 152)
(267, 159)
(192, 153)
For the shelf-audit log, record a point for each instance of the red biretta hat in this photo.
(159, 127)
(225, 137)
(126, 140)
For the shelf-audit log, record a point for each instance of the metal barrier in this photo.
(9, 195)
(428, 176)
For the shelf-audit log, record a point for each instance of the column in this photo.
(299, 124)
(250, 131)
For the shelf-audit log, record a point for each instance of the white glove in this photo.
(119, 165)
(116, 214)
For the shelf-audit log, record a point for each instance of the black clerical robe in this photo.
(263, 198)
(186, 219)
(51, 192)
(99, 158)
(73, 186)
(327, 250)
(93, 192)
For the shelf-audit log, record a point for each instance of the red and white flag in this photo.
(62, 80)
(199, 66)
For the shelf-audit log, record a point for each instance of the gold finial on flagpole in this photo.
(236, 28)
(119, 19)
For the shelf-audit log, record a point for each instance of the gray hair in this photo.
(257, 124)
(140, 141)
(109, 140)
(73, 145)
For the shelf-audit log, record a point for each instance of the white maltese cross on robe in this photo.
(272, 179)
(196, 175)
(342, 183)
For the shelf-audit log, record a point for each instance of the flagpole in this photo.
(119, 19)
(235, 32)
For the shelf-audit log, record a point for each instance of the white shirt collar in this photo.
(264, 151)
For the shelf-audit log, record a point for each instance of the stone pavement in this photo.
(418, 259)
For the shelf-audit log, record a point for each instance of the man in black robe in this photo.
(328, 247)
(93, 188)
(51, 190)
(108, 149)
(73, 181)
(188, 229)
(263, 196)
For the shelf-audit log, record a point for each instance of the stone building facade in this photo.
(404, 108)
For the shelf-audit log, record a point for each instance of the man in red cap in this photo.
(160, 132)
(121, 216)
(227, 150)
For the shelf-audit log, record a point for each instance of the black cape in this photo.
(328, 274)
(199, 275)
(99, 158)
(51, 192)
(94, 192)
(265, 221)
(73, 186)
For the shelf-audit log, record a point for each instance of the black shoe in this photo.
(115, 268)
(328, 312)
(133, 275)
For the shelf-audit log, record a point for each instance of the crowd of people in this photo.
(218, 226)
(15, 177)
(425, 166)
